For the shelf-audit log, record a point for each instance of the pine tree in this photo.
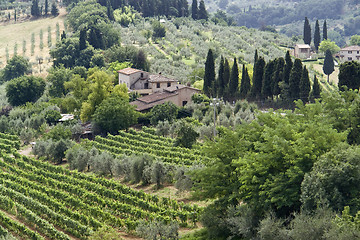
(209, 77)
(234, 81)
(328, 66)
(109, 11)
(317, 35)
(245, 83)
(258, 78)
(267, 85)
(324, 31)
(304, 85)
(202, 13)
(316, 90)
(220, 80)
(307, 32)
(294, 81)
(194, 9)
(82, 39)
(278, 76)
(46, 7)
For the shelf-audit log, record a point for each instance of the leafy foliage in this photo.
(24, 89)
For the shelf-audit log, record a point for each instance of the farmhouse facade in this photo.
(349, 53)
(155, 89)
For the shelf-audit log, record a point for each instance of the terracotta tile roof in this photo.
(351, 48)
(129, 71)
(149, 101)
(156, 97)
(160, 78)
(179, 87)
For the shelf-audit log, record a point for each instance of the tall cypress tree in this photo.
(109, 11)
(245, 85)
(82, 39)
(226, 76)
(304, 85)
(234, 81)
(46, 7)
(324, 31)
(294, 81)
(328, 66)
(255, 56)
(220, 80)
(194, 9)
(209, 77)
(317, 35)
(307, 31)
(266, 90)
(278, 76)
(316, 90)
(288, 67)
(258, 78)
(202, 13)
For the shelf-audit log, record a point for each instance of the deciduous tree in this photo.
(24, 89)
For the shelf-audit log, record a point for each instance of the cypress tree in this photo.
(46, 7)
(82, 39)
(226, 76)
(278, 76)
(209, 77)
(63, 35)
(258, 78)
(234, 81)
(288, 67)
(317, 35)
(220, 80)
(304, 85)
(294, 81)
(266, 90)
(202, 13)
(307, 31)
(328, 66)
(245, 83)
(324, 31)
(109, 11)
(255, 59)
(315, 92)
(349, 75)
(194, 9)
(54, 9)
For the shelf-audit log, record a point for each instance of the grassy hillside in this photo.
(13, 34)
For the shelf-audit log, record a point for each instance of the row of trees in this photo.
(279, 78)
(37, 11)
(198, 12)
(317, 38)
(149, 8)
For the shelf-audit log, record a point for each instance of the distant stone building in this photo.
(302, 51)
(349, 54)
(155, 89)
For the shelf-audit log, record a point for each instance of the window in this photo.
(358, 52)
(350, 58)
(169, 84)
(349, 52)
(142, 75)
(158, 85)
(146, 85)
(184, 103)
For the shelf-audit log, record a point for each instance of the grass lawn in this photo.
(16, 33)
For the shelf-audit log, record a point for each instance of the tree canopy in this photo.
(16, 67)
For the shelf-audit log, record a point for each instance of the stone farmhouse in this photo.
(349, 54)
(302, 51)
(155, 89)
